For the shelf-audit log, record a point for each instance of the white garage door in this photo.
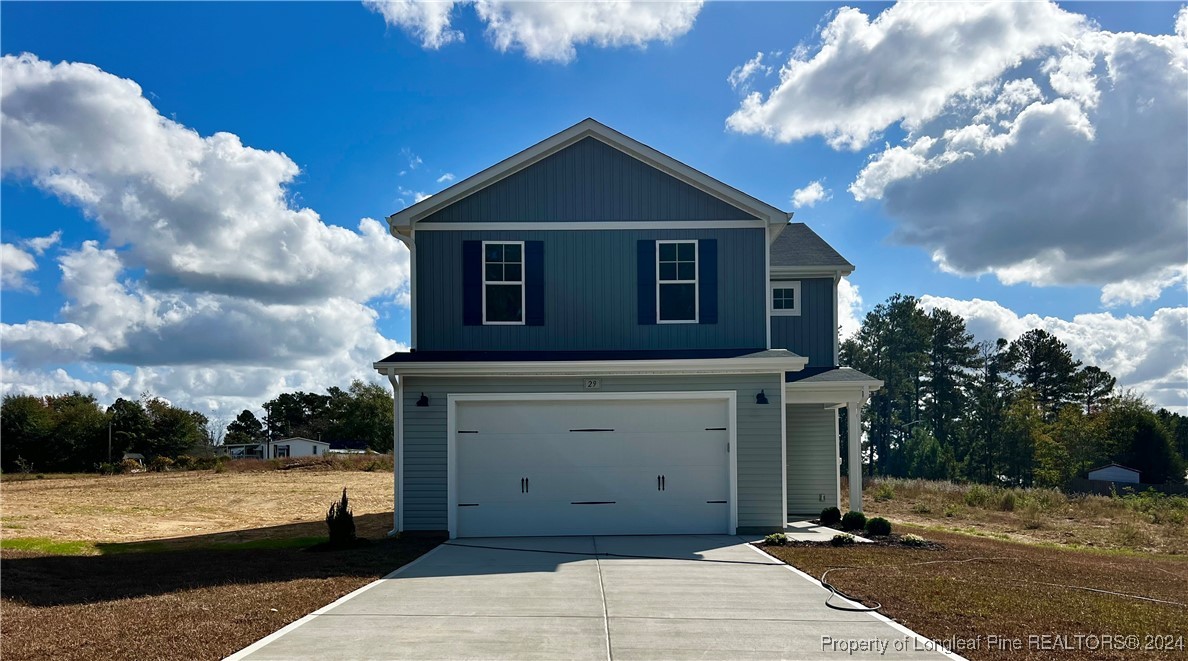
(591, 467)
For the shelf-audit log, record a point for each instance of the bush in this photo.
(853, 521)
(830, 516)
(131, 466)
(842, 539)
(884, 493)
(113, 468)
(160, 464)
(978, 496)
(878, 526)
(912, 540)
(341, 522)
(921, 508)
(184, 462)
(1007, 502)
(776, 539)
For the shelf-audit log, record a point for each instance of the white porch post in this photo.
(854, 433)
(397, 449)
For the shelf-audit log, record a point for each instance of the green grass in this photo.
(57, 547)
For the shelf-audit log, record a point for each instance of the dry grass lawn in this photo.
(188, 565)
(1018, 590)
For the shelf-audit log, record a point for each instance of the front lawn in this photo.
(1042, 595)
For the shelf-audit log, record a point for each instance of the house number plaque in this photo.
(592, 384)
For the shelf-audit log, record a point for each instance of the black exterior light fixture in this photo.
(424, 400)
(760, 398)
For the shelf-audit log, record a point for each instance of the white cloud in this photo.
(1039, 148)
(1148, 354)
(427, 21)
(547, 31)
(740, 77)
(904, 66)
(14, 265)
(810, 195)
(237, 284)
(42, 243)
(849, 309)
(446, 178)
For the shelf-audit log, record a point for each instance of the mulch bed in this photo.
(985, 587)
(192, 604)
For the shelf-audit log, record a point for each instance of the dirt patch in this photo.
(144, 506)
(987, 587)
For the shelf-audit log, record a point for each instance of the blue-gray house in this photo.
(607, 341)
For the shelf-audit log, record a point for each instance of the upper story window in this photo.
(503, 282)
(785, 298)
(676, 282)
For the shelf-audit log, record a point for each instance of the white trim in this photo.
(828, 393)
(696, 285)
(398, 452)
(523, 275)
(794, 285)
(729, 397)
(836, 330)
(875, 614)
(259, 644)
(412, 292)
(591, 225)
(583, 129)
(837, 454)
(798, 272)
(783, 452)
(742, 365)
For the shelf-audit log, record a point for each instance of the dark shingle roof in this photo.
(798, 245)
(827, 375)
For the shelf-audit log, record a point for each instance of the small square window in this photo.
(785, 298)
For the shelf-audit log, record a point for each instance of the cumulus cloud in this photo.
(14, 265)
(40, 244)
(446, 178)
(235, 279)
(849, 309)
(740, 77)
(1039, 148)
(1148, 354)
(547, 31)
(810, 195)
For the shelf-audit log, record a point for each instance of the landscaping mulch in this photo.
(192, 604)
(971, 589)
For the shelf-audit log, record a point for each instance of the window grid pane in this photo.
(678, 262)
(783, 299)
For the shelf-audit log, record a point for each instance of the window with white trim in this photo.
(280, 451)
(503, 282)
(785, 298)
(676, 282)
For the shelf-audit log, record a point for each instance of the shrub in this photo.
(1031, 516)
(1007, 502)
(878, 526)
(978, 496)
(184, 462)
(341, 522)
(842, 539)
(131, 466)
(912, 540)
(113, 468)
(776, 539)
(884, 493)
(830, 516)
(853, 521)
(953, 511)
(921, 508)
(160, 464)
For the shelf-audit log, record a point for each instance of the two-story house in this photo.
(607, 341)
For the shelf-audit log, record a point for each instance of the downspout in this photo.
(397, 451)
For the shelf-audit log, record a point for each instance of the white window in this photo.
(280, 451)
(503, 282)
(785, 298)
(676, 282)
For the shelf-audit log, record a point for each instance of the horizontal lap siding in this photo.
(812, 459)
(590, 293)
(758, 437)
(810, 334)
(589, 180)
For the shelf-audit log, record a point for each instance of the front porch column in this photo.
(854, 434)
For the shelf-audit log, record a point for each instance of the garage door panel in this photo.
(584, 478)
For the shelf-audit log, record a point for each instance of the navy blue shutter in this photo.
(534, 283)
(646, 280)
(707, 279)
(472, 283)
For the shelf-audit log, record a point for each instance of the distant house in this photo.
(1115, 473)
(286, 447)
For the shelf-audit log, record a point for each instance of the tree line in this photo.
(74, 433)
(1022, 412)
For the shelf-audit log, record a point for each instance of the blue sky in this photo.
(372, 114)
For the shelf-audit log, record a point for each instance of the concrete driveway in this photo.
(689, 597)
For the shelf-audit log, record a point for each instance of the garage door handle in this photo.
(663, 483)
(523, 485)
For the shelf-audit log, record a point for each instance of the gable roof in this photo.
(800, 248)
(401, 222)
(1116, 465)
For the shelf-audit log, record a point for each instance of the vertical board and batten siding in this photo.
(590, 293)
(758, 438)
(812, 458)
(588, 181)
(810, 334)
